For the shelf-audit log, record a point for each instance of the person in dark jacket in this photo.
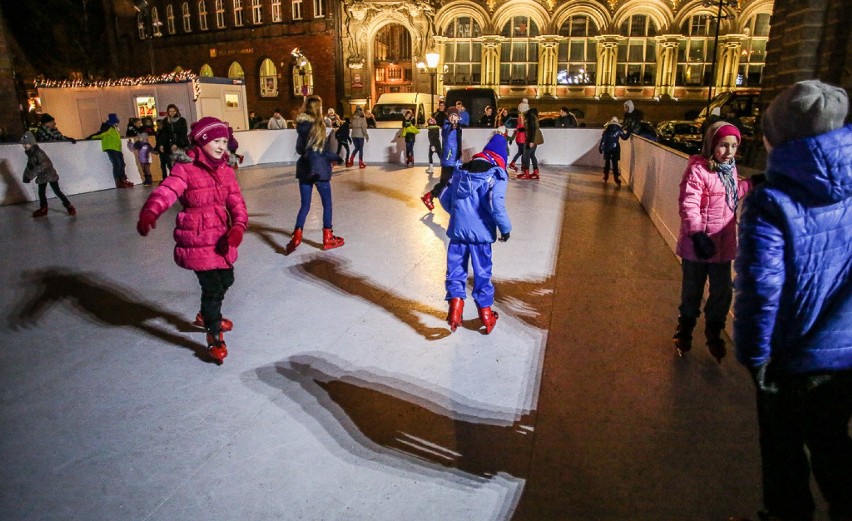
(534, 139)
(793, 307)
(487, 119)
(313, 169)
(451, 150)
(47, 131)
(435, 147)
(566, 119)
(172, 138)
(40, 168)
(632, 117)
(610, 147)
(343, 136)
(440, 114)
(474, 198)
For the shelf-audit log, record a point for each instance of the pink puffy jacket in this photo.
(212, 203)
(703, 209)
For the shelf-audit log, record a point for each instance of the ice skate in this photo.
(715, 342)
(454, 315)
(427, 200)
(683, 335)
(227, 325)
(295, 241)
(41, 212)
(488, 318)
(329, 240)
(216, 347)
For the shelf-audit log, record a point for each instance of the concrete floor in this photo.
(345, 397)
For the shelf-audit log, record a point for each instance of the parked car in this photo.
(684, 136)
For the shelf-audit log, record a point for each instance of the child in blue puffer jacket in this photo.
(474, 198)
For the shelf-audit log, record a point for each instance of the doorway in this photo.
(392, 60)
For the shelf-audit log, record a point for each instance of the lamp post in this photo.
(432, 59)
(719, 17)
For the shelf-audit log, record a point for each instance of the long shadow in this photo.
(392, 416)
(100, 302)
(14, 191)
(437, 229)
(333, 273)
(528, 300)
(267, 234)
(384, 191)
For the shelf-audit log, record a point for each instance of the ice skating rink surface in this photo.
(344, 395)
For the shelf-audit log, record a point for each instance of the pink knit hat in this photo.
(207, 129)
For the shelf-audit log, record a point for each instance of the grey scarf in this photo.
(726, 175)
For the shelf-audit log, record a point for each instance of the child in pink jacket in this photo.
(210, 226)
(709, 194)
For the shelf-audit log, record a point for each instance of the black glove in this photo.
(703, 245)
(757, 180)
(503, 237)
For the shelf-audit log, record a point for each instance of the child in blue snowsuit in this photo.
(474, 198)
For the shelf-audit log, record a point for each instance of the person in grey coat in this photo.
(40, 168)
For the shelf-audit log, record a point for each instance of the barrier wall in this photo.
(83, 167)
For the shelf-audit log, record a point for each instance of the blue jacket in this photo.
(794, 266)
(312, 165)
(451, 144)
(476, 203)
(609, 139)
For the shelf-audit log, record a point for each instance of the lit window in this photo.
(753, 52)
(256, 12)
(319, 9)
(268, 79)
(636, 52)
(519, 52)
(170, 19)
(695, 52)
(220, 14)
(578, 52)
(297, 9)
(155, 22)
(202, 15)
(303, 79)
(206, 71)
(462, 54)
(238, 13)
(235, 71)
(187, 18)
(276, 10)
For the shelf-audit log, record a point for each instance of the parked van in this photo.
(474, 100)
(390, 109)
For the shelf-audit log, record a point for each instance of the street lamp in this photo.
(719, 17)
(432, 59)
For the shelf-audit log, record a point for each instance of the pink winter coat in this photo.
(703, 209)
(212, 203)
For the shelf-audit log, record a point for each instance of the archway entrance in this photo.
(392, 60)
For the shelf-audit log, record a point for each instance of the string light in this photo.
(150, 79)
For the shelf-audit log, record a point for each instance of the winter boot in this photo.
(41, 212)
(329, 240)
(454, 316)
(361, 164)
(513, 166)
(525, 174)
(216, 347)
(683, 334)
(606, 177)
(617, 180)
(488, 318)
(715, 342)
(227, 325)
(295, 241)
(70, 209)
(534, 174)
(427, 200)
(148, 181)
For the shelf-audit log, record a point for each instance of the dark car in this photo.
(684, 136)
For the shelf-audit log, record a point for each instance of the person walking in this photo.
(359, 136)
(610, 147)
(40, 169)
(475, 200)
(313, 169)
(793, 307)
(111, 144)
(210, 225)
(709, 194)
(451, 149)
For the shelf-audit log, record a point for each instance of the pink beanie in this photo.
(207, 129)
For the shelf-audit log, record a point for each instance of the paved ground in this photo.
(345, 397)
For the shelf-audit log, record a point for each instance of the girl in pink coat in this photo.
(210, 226)
(709, 194)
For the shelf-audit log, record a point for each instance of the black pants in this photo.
(342, 145)
(42, 194)
(529, 155)
(214, 285)
(812, 411)
(446, 174)
(612, 158)
(435, 149)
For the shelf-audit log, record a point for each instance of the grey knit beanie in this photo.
(28, 138)
(808, 108)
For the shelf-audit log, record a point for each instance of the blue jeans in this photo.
(479, 255)
(305, 192)
(117, 160)
(359, 148)
(409, 150)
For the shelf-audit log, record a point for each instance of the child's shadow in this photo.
(267, 234)
(102, 303)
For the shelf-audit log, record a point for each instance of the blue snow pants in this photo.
(479, 255)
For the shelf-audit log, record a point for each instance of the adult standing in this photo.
(47, 131)
(566, 119)
(464, 115)
(172, 138)
(371, 119)
(632, 117)
(359, 136)
(487, 119)
(534, 139)
(277, 121)
(440, 115)
(793, 311)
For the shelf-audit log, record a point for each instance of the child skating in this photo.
(142, 149)
(474, 198)
(40, 168)
(434, 133)
(210, 226)
(409, 134)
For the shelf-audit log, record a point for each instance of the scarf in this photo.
(726, 175)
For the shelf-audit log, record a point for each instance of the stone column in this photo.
(491, 61)
(666, 77)
(728, 61)
(607, 45)
(548, 47)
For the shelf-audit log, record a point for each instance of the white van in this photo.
(390, 108)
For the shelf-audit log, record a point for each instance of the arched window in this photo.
(220, 14)
(238, 13)
(303, 78)
(155, 22)
(462, 55)
(578, 53)
(276, 11)
(695, 53)
(187, 17)
(753, 54)
(178, 69)
(235, 71)
(519, 54)
(202, 15)
(206, 71)
(637, 52)
(140, 26)
(256, 12)
(170, 19)
(268, 79)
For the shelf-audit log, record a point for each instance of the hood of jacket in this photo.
(474, 177)
(819, 167)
